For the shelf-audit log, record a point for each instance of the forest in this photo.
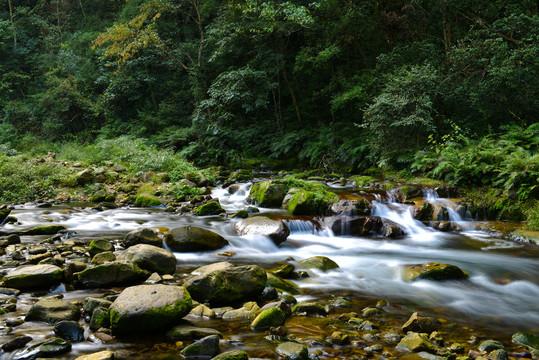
(445, 89)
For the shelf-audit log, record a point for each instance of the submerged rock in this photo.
(18, 343)
(147, 308)
(529, 340)
(276, 230)
(420, 324)
(190, 332)
(36, 276)
(269, 193)
(44, 349)
(319, 262)
(206, 347)
(414, 342)
(433, 271)
(45, 230)
(142, 236)
(192, 238)
(292, 351)
(224, 283)
(69, 330)
(53, 311)
(151, 258)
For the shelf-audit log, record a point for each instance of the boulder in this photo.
(433, 271)
(269, 193)
(414, 342)
(145, 200)
(53, 311)
(312, 202)
(99, 246)
(102, 196)
(420, 324)
(309, 309)
(69, 330)
(276, 230)
(359, 226)
(101, 355)
(149, 308)
(48, 348)
(151, 258)
(100, 318)
(282, 284)
(211, 208)
(192, 238)
(18, 343)
(35, 276)
(84, 176)
(113, 273)
(4, 212)
(268, 318)
(206, 347)
(45, 230)
(227, 284)
(529, 340)
(490, 345)
(292, 351)
(142, 236)
(319, 262)
(351, 207)
(232, 355)
(391, 229)
(103, 257)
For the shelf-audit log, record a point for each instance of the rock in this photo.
(11, 239)
(69, 330)
(45, 230)
(411, 192)
(36, 276)
(190, 332)
(44, 349)
(420, 324)
(312, 202)
(101, 355)
(415, 343)
(103, 257)
(18, 343)
(272, 317)
(529, 340)
(242, 314)
(192, 238)
(103, 196)
(53, 311)
(433, 271)
(151, 258)
(227, 284)
(276, 230)
(282, 284)
(292, 351)
(148, 308)
(145, 200)
(490, 345)
(319, 262)
(92, 303)
(113, 273)
(203, 310)
(360, 226)
(211, 208)
(99, 246)
(119, 168)
(142, 236)
(84, 176)
(499, 354)
(100, 319)
(282, 270)
(391, 229)
(425, 212)
(269, 193)
(242, 214)
(351, 207)
(4, 213)
(232, 355)
(309, 309)
(203, 348)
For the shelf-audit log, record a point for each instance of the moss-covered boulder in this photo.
(101, 355)
(414, 342)
(424, 212)
(269, 318)
(192, 238)
(99, 246)
(113, 273)
(48, 348)
(319, 262)
(292, 351)
(35, 276)
(433, 271)
(276, 230)
(103, 257)
(529, 340)
(45, 230)
(211, 208)
(102, 196)
(283, 284)
(204, 348)
(232, 355)
(149, 308)
(53, 311)
(151, 258)
(269, 193)
(142, 236)
(225, 284)
(4, 213)
(146, 200)
(309, 308)
(312, 202)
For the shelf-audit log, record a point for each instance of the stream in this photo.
(501, 296)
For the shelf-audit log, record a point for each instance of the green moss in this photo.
(102, 196)
(282, 284)
(319, 262)
(45, 230)
(99, 246)
(242, 214)
(145, 200)
(272, 317)
(211, 208)
(433, 271)
(312, 202)
(232, 355)
(363, 181)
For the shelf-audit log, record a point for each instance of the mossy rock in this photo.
(232, 355)
(211, 208)
(312, 202)
(99, 246)
(192, 238)
(53, 311)
(319, 262)
(149, 308)
(48, 348)
(145, 200)
(433, 271)
(529, 340)
(35, 276)
(113, 273)
(414, 342)
(242, 214)
(425, 212)
(102, 196)
(4, 212)
(309, 309)
(190, 332)
(151, 258)
(282, 284)
(268, 318)
(282, 270)
(202, 349)
(292, 351)
(411, 192)
(363, 182)
(103, 257)
(45, 230)
(268, 193)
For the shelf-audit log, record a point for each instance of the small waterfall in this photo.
(432, 197)
(298, 227)
(401, 214)
(232, 201)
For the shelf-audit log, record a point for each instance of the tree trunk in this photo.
(12, 23)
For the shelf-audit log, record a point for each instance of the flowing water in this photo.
(501, 293)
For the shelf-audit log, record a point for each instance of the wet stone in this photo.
(490, 345)
(190, 332)
(205, 347)
(17, 343)
(69, 330)
(101, 355)
(53, 311)
(232, 355)
(292, 351)
(47, 348)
